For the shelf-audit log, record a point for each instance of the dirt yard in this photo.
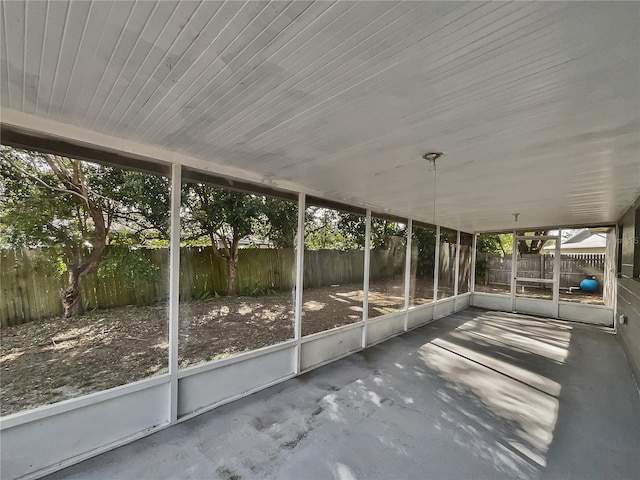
(56, 359)
(48, 361)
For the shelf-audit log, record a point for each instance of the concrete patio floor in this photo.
(479, 395)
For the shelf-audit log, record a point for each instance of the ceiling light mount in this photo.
(432, 156)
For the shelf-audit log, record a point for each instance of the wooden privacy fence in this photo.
(573, 268)
(30, 291)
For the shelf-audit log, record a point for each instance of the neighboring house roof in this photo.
(583, 240)
(255, 242)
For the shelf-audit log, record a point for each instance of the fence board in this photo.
(28, 292)
(573, 268)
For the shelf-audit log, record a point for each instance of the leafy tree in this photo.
(124, 259)
(352, 228)
(531, 246)
(327, 228)
(383, 231)
(323, 229)
(279, 223)
(222, 217)
(71, 207)
(424, 244)
(497, 243)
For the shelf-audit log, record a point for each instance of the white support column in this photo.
(436, 269)
(474, 245)
(614, 291)
(514, 270)
(299, 280)
(609, 287)
(174, 288)
(556, 275)
(456, 274)
(407, 275)
(365, 282)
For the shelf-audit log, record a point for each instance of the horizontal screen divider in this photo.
(428, 226)
(323, 202)
(64, 148)
(389, 217)
(191, 175)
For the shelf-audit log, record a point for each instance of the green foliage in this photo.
(218, 215)
(279, 223)
(448, 236)
(207, 294)
(48, 263)
(424, 244)
(32, 216)
(329, 229)
(222, 218)
(491, 243)
(125, 258)
(258, 290)
(37, 209)
(531, 246)
(353, 230)
(204, 295)
(143, 203)
(384, 231)
(72, 209)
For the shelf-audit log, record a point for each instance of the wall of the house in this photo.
(628, 297)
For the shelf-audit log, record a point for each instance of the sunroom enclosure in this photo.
(378, 287)
(271, 186)
(547, 284)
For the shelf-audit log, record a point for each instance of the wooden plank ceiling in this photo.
(535, 105)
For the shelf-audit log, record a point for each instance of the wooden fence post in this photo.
(487, 267)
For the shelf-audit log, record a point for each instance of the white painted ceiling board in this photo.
(535, 104)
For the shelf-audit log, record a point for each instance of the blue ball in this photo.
(589, 285)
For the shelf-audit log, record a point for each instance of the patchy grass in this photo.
(52, 360)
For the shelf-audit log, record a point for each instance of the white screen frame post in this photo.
(436, 272)
(514, 263)
(174, 288)
(297, 331)
(556, 274)
(456, 275)
(407, 274)
(474, 245)
(365, 280)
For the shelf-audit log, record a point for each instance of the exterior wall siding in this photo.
(628, 295)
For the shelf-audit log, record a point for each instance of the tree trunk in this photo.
(75, 182)
(231, 279)
(72, 295)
